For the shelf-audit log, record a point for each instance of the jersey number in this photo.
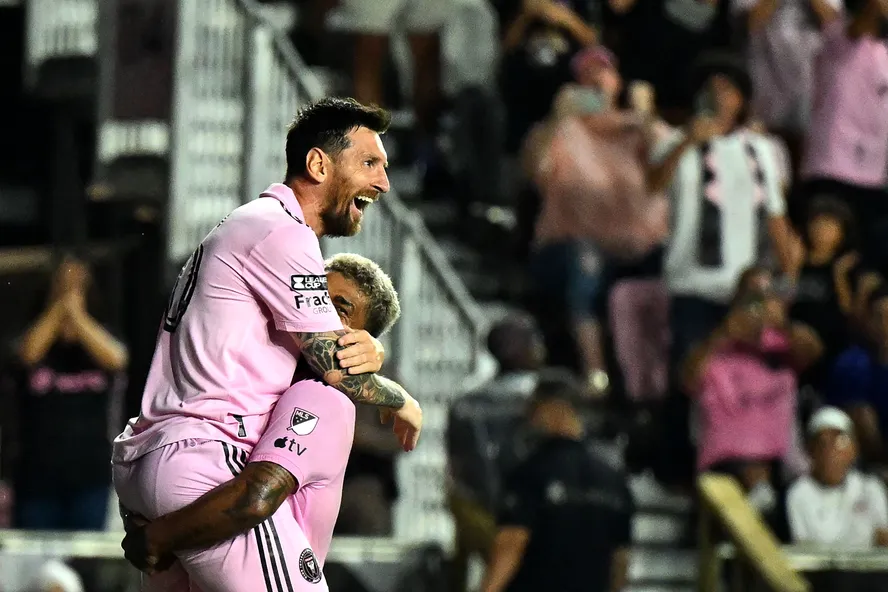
(183, 291)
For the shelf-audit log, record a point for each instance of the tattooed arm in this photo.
(223, 513)
(320, 349)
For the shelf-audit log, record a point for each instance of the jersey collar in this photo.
(288, 200)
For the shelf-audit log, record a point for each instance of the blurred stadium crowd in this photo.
(686, 205)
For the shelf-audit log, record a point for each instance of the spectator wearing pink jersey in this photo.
(784, 38)
(302, 454)
(846, 152)
(743, 379)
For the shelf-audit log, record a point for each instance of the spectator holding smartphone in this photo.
(540, 37)
(591, 156)
(728, 211)
(743, 380)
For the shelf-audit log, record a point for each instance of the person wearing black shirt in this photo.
(484, 441)
(370, 488)
(565, 523)
(827, 268)
(70, 368)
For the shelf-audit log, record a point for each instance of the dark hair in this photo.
(745, 292)
(557, 384)
(384, 307)
(325, 124)
(854, 7)
(829, 206)
(509, 338)
(729, 65)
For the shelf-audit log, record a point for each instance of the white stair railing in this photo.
(237, 84)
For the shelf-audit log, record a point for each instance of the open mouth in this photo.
(362, 201)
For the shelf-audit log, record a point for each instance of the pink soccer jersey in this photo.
(310, 434)
(223, 356)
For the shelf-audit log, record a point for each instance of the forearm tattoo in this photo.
(320, 350)
(263, 488)
(227, 511)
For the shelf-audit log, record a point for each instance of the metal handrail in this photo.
(724, 506)
(807, 558)
(237, 82)
(392, 203)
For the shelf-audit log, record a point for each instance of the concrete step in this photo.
(659, 530)
(663, 566)
(652, 496)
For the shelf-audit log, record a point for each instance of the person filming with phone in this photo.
(743, 381)
(589, 163)
(728, 211)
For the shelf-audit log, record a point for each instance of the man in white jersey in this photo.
(253, 298)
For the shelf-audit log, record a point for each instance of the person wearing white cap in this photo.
(836, 505)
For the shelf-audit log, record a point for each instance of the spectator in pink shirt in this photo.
(591, 167)
(743, 379)
(846, 152)
(783, 43)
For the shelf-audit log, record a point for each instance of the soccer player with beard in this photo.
(233, 539)
(252, 299)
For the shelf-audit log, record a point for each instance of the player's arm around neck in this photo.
(223, 513)
(320, 352)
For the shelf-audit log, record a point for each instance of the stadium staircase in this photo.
(181, 108)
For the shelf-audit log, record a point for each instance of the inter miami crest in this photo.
(308, 567)
(302, 423)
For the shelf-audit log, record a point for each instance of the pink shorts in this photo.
(275, 556)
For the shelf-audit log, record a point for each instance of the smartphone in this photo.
(586, 101)
(784, 288)
(704, 103)
(753, 301)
